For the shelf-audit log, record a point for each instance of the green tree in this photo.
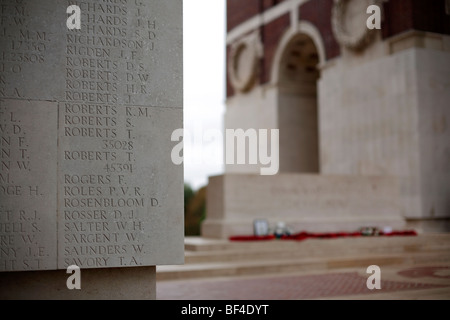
(188, 195)
(194, 210)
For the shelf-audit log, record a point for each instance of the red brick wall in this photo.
(238, 11)
(318, 12)
(271, 35)
(422, 15)
(400, 16)
(270, 3)
(430, 16)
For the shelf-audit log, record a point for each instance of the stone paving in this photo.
(418, 282)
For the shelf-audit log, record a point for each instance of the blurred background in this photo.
(204, 87)
(204, 102)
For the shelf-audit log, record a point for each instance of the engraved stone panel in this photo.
(98, 106)
(27, 185)
(119, 200)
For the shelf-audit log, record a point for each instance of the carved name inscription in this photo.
(86, 176)
(27, 186)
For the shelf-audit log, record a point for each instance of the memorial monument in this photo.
(363, 115)
(90, 94)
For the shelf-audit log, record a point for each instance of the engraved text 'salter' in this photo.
(85, 123)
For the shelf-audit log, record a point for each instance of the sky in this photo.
(204, 89)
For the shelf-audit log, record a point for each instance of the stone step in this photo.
(197, 244)
(281, 249)
(231, 269)
(280, 253)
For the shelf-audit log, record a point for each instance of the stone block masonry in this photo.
(86, 117)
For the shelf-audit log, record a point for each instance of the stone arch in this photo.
(295, 74)
(307, 29)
